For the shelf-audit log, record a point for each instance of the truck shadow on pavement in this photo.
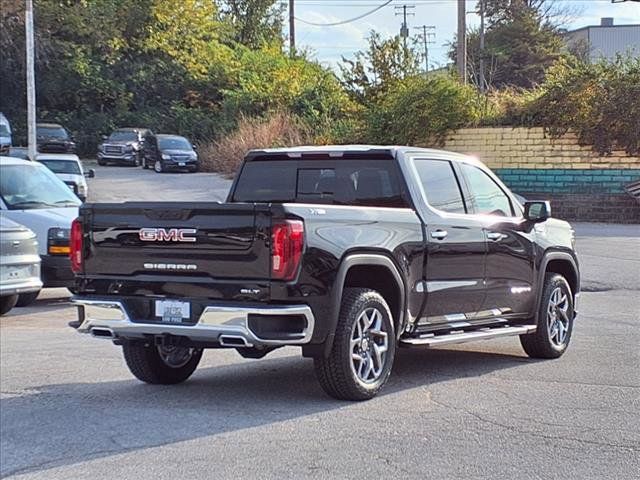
(57, 425)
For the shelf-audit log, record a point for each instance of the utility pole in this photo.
(292, 29)
(461, 54)
(31, 82)
(426, 39)
(483, 80)
(404, 29)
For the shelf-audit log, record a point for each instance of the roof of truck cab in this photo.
(334, 150)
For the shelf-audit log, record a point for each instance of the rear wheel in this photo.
(555, 320)
(145, 165)
(166, 365)
(26, 299)
(363, 350)
(7, 303)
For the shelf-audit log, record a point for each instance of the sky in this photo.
(329, 44)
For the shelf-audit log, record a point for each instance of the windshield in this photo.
(123, 136)
(174, 143)
(52, 132)
(62, 166)
(25, 187)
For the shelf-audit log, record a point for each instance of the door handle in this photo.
(496, 236)
(439, 234)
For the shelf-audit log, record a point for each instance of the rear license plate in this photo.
(172, 311)
(11, 273)
(181, 164)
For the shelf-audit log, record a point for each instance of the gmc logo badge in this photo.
(167, 234)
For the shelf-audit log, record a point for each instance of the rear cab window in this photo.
(334, 181)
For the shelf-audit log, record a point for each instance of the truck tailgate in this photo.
(218, 241)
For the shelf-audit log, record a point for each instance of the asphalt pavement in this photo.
(69, 408)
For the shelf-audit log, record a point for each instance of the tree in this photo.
(521, 42)
(253, 23)
(372, 71)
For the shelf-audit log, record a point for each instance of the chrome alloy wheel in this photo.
(558, 317)
(175, 357)
(369, 345)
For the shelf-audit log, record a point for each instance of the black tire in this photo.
(158, 167)
(26, 299)
(336, 373)
(540, 344)
(7, 303)
(145, 165)
(146, 364)
(73, 290)
(102, 163)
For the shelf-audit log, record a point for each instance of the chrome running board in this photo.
(432, 340)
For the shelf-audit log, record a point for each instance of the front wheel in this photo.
(158, 166)
(555, 320)
(364, 347)
(7, 303)
(26, 299)
(165, 365)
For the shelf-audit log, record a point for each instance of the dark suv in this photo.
(346, 252)
(54, 138)
(171, 152)
(125, 146)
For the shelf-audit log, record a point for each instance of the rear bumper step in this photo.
(432, 340)
(227, 326)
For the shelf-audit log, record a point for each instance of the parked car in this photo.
(54, 138)
(348, 252)
(19, 263)
(5, 135)
(68, 168)
(171, 152)
(125, 145)
(31, 195)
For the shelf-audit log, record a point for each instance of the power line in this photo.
(342, 22)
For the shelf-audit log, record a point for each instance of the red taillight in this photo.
(287, 242)
(75, 244)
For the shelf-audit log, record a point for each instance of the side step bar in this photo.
(432, 340)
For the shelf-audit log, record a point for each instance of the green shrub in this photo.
(600, 102)
(421, 110)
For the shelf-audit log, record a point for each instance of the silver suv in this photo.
(19, 263)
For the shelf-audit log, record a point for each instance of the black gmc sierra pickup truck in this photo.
(348, 252)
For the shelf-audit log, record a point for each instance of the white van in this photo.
(30, 194)
(5, 135)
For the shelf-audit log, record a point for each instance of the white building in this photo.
(605, 40)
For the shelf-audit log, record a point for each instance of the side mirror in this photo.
(90, 174)
(195, 148)
(537, 211)
(104, 137)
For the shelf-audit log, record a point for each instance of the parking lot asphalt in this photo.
(70, 409)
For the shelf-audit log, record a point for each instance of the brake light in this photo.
(75, 244)
(287, 242)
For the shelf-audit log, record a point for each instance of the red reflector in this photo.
(75, 244)
(287, 242)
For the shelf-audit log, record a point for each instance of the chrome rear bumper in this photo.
(226, 325)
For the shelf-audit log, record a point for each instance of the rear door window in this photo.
(440, 185)
(363, 182)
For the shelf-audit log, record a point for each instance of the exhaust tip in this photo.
(100, 332)
(233, 341)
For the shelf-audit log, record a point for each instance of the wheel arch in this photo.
(353, 271)
(564, 264)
